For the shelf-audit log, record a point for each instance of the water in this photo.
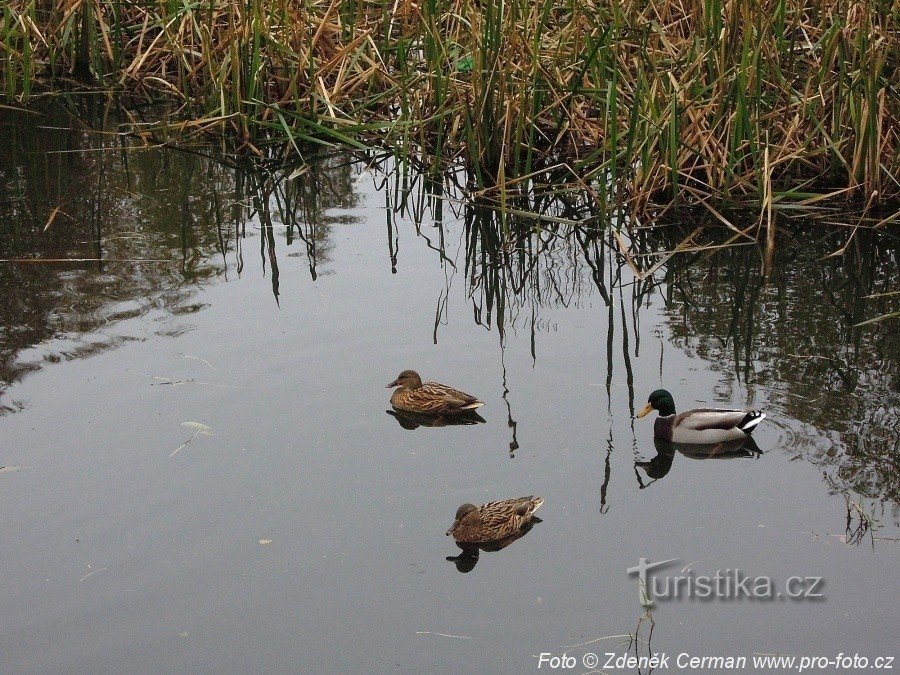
(304, 531)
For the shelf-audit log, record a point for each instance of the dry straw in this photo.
(688, 100)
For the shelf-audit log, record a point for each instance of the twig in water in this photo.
(197, 358)
(626, 636)
(90, 574)
(200, 429)
(428, 632)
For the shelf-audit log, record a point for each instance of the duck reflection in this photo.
(467, 559)
(660, 465)
(410, 420)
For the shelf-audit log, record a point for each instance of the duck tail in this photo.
(526, 506)
(751, 419)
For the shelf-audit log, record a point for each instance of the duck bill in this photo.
(450, 531)
(645, 410)
(391, 385)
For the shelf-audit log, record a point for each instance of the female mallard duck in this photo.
(493, 521)
(699, 426)
(429, 398)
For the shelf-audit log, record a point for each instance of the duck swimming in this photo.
(430, 398)
(699, 426)
(493, 521)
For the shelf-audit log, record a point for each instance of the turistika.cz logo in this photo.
(729, 584)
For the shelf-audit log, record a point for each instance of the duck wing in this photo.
(454, 398)
(704, 419)
(503, 518)
(423, 401)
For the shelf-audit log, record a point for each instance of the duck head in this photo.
(660, 400)
(466, 516)
(408, 379)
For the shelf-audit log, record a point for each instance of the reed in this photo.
(772, 103)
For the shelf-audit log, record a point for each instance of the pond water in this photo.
(201, 472)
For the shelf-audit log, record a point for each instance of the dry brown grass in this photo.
(673, 100)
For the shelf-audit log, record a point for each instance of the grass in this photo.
(771, 103)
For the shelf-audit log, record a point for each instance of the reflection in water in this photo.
(510, 422)
(467, 559)
(570, 299)
(95, 233)
(863, 518)
(88, 242)
(790, 336)
(796, 338)
(409, 420)
(644, 654)
(660, 465)
(607, 474)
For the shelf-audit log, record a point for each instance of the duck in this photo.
(494, 521)
(430, 398)
(701, 426)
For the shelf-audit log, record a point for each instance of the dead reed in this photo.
(769, 102)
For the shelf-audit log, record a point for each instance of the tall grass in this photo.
(678, 100)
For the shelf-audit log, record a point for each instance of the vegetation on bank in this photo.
(770, 102)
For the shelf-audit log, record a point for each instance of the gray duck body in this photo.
(700, 425)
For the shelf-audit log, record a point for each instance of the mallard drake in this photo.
(700, 426)
(429, 398)
(493, 521)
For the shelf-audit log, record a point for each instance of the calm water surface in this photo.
(302, 527)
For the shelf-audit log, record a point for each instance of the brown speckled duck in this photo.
(493, 521)
(700, 426)
(429, 398)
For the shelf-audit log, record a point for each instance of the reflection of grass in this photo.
(771, 102)
(115, 252)
(139, 232)
(883, 317)
(797, 336)
(860, 521)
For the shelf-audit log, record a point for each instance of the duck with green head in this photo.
(701, 425)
